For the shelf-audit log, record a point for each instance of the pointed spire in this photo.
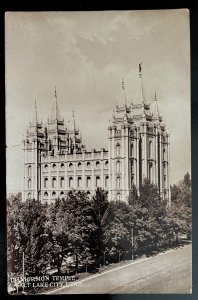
(123, 96)
(55, 115)
(35, 115)
(74, 122)
(155, 107)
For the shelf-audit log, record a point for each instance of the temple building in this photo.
(56, 159)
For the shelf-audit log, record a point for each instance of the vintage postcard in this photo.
(98, 152)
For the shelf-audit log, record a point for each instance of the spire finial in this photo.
(55, 94)
(35, 111)
(140, 70)
(155, 95)
(122, 83)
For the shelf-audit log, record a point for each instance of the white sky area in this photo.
(85, 54)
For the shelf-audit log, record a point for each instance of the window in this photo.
(106, 181)
(62, 166)
(132, 167)
(132, 150)
(62, 193)
(88, 181)
(97, 164)
(79, 182)
(88, 165)
(70, 182)
(53, 195)
(71, 166)
(46, 183)
(118, 182)
(29, 170)
(29, 184)
(106, 164)
(150, 172)
(62, 182)
(118, 150)
(97, 180)
(132, 179)
(118, 196)
(54, 167)
(46, 167)
(79, 165)
(118, 167)
(150, 149)
(53, 182)
(164, 180)
(29, 195)
(164, 154)
(46, 194)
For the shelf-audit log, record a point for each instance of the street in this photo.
(168, 272)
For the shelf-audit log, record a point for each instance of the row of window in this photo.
(79, 165)
(79, 182)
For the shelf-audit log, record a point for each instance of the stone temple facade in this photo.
(56, 160)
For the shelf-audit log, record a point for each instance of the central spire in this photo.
(123, 96)
(35, 116)
(55, 110)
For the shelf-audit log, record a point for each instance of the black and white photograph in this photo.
(98, 152)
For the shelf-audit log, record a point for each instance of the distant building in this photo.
(56, 160)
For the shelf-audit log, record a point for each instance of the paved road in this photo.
(168, 272)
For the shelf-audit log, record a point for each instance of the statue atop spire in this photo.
(123, 96)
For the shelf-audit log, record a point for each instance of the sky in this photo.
(85, 55)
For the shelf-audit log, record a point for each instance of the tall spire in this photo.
(35, 115)
(155, 107)
(74, 122)
(140, 97)
(55, 115)
(123, 96)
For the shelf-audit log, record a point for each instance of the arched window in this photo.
(46, 183)
(29, 183)
(150, 149)
(97, 164)
(88, 181)
(79, 165)
(54, 167)
(164, 181)
(97, 180)
(88, 165)
(164, 154)
(150, 172)
(53, 182)
(106, 164)
(118, 152)
(70, 182)
(132, 167)
(106, 181)
(62, 193)
(132, 150)
(46, 167)
(29, 195)
(46, 194)
(118, 196)
(132, 179)
(29, 170)
(62, 166)
(118, 166)
(118, 182)
(70, 165)
(62, 182)
(79, 182)
(53, 195)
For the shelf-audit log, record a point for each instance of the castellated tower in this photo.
(138, 146)
(56, 160)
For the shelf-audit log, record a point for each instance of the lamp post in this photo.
(23, 270)
(132, 243)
